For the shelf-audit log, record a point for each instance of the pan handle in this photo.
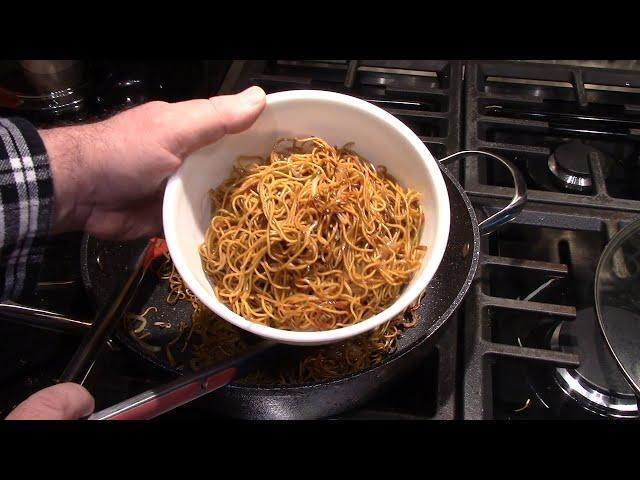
(44, 319)
(157, 401)
(516, 205)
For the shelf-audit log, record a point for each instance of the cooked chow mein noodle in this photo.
(215, 340)
(137, 330)
(314, 238)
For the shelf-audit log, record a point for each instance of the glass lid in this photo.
(617, 298)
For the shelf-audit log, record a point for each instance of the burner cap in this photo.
(597, 383)
(569, 163)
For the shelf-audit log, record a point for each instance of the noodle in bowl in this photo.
(339, 119)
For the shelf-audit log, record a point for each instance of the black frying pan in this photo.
(102, 268)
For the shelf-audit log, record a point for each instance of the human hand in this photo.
(64, 401)
(109, 176)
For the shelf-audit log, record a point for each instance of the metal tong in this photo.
(155, 401)
(158, 400)
(106, 319)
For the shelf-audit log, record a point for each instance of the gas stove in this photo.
(524, 344)
(532, 348)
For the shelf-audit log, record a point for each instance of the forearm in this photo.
(70, 158)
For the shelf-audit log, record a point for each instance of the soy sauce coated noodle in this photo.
(314, 238)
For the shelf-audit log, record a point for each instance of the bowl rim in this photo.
(172, 190)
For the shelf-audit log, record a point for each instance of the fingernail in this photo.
(253, 96)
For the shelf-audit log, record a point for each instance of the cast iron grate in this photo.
(424, 94)
(558, 246)
(525, 110)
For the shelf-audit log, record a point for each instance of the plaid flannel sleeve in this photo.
(26, 203)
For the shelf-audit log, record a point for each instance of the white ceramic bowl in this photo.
(378, 136)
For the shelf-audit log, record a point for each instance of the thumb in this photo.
(65, 401)
(197, 123)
